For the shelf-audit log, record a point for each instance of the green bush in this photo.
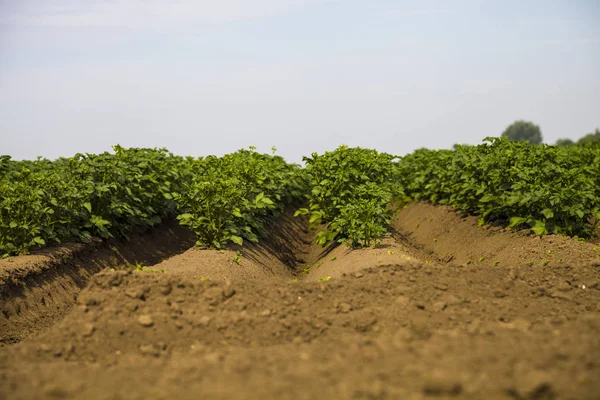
(350, 192)
(548, 189)
(230, 199)
(44, 202)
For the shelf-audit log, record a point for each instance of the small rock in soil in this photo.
(358, 275)
(265, 313)
(145, 320)
(135, 293)
(87, 330)
(213, 358)
(166, 289)
(564, 287)
(561, 296)
(150, 350)
(441, 286)
(439, 306)
(228, 291)
(45, 348)
(402, 300)
(213, 295)
(366, 324)
(131, 307)
(344, 308)
(499, 294)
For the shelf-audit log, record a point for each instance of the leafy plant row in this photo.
(347, 192)
(222, 200)
(231, 198)
(350, 194)
(545, 188)
(44, 202)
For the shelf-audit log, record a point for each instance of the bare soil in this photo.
(38, 289)
(442, 310)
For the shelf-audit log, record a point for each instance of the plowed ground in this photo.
(442, 309)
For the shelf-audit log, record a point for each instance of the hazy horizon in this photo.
(205, 77)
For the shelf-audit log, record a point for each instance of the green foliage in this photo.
(44, 202)
(523, 131)
(350, 192)
(230, 198)
(223, 200)
(564, 142)
(548, 189)
(590, 138)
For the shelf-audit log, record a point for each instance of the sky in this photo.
(210, 77)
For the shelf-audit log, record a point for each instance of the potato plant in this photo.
(231, 198)
(346, 192)
(544, 188)
(350, 192)
(44, 202)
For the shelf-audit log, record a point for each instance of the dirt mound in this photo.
(335, 261)
(438, 233)
(279, 254)
(285, 319)
(38, 289)
(396, 331)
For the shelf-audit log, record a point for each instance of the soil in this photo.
(38, 289)
(443, 310)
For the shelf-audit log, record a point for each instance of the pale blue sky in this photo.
(209, 77)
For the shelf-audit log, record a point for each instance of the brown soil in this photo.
(38, 289)
(408, 320)
(439, 234)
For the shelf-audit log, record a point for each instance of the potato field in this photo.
(443, 274)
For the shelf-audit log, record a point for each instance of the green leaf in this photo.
(314, 218)
(39, 240)
(237, 240)
(267, 201)
(516, 221)
(487, 198)
(88, 206)
(13, 224)
(579, 213)
(301, 211)
(548, 213)
(539, 228)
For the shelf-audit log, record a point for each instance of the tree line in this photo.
(526, 131)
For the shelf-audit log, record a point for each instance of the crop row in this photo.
(543, 188)
(347, 193)
(221, 199)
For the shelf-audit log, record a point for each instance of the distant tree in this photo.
(564, 142)
(590, 138)
(523, 131)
